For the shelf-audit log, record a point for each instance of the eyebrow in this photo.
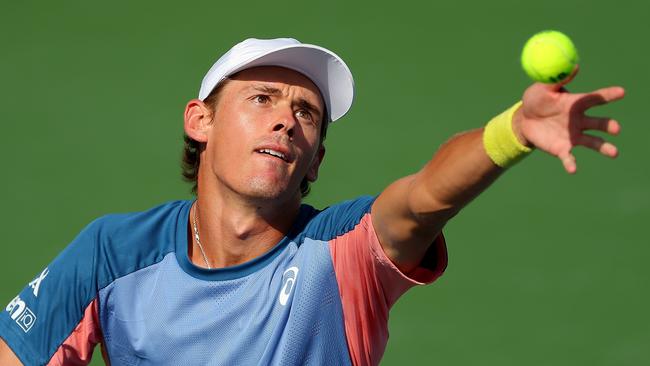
(302, 103)
(267, 89)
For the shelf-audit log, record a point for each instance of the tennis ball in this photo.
(549, 57)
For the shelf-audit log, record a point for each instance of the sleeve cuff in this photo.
(431, 267)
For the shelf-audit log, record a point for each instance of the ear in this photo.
(312, 174)
(198, 120)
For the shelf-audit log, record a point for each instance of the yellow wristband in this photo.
(500, 142)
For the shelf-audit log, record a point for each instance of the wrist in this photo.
(517, 127)
(500, 141)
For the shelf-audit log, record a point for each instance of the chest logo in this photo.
(288, 283)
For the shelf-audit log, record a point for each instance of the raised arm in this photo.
(412, 211)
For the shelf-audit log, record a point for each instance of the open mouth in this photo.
(275, 153)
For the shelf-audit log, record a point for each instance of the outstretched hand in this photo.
(554, 120)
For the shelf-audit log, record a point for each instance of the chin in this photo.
(267, 189)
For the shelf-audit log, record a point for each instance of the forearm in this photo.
(411, 212)
(464, 167)
(458, 172)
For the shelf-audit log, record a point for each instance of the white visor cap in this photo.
(325, 69)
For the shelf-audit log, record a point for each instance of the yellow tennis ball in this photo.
(549, 57)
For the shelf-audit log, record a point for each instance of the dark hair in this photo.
(192, 149)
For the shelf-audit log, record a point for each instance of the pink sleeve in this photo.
(369, 284)
(77, 349)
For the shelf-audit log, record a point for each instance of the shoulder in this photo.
(152, 223)
(338, 219)
(59, 304)
(122, 243)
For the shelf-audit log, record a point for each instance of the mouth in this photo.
(278, 154)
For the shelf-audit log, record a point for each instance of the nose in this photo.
(285, 122)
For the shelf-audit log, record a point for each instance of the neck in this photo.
(234, 230)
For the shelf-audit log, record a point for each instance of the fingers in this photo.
(600, 97)
(597, 144)
(592, 142)
(604, 124)
(610, 94)
(569, 162)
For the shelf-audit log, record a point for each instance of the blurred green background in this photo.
(545, 268)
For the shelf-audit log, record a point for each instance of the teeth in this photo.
(274, 153)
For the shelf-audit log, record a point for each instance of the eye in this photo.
(304, 114)
(261, 99)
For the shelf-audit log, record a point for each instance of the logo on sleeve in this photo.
(21, 314)
(36, 284)
(289, 280)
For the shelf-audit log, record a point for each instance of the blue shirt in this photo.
(127, 283)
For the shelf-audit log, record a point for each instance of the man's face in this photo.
(265, 133)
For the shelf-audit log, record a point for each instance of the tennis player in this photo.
(246, 274)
